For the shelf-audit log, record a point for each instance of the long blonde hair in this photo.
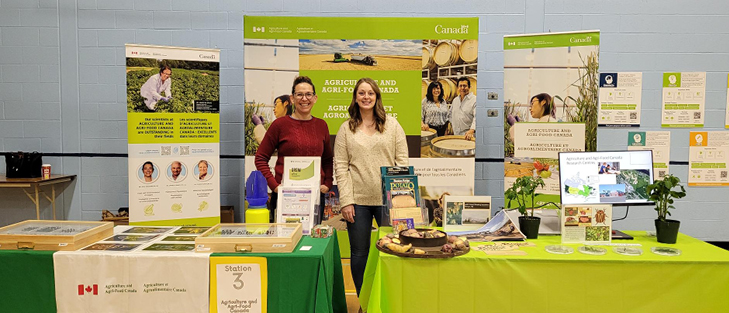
(355, 117)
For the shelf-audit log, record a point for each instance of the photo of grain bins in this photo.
(362, 55)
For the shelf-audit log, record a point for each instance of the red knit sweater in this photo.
(295, 138)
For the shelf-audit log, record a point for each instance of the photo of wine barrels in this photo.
(444, 62)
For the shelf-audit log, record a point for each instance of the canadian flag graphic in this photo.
(93, 289)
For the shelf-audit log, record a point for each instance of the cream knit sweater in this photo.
(358, 158)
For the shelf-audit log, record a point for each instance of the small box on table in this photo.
(264, 238)
(53, 235)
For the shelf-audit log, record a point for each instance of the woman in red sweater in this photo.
(298, 134)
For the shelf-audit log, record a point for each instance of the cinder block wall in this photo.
(62, 83)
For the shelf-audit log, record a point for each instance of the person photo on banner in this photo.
(463, 110)
(435, 113)
(542, 108)
(297, 134)
(148, 172)
(364, 143)
(202, 170)
(176, 170)
(281, 107)
(152, 90)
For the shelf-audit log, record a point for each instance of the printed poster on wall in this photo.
(708, 158)
(173, 126)
(657, 141)
(418, 66)
(550, 104)
(620, 99)
(726, 119)
(683, 99)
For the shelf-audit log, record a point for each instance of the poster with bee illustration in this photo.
(587, 223)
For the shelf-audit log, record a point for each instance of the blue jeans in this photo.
(359, 239)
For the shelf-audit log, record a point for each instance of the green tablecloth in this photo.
(26, 281)
(305, 281)
(695, 281)
(302, 281)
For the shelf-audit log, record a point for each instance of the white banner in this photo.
(173, 127)
(90, 281)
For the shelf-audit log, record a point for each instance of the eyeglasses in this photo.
(307, 95)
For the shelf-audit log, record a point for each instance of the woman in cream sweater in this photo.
(364, 143)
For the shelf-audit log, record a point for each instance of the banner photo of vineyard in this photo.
(173, 126)
(407, 61)
(550, 104)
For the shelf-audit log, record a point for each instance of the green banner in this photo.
(288, 27)
(551, 40)
(400, 96)
(173, 128)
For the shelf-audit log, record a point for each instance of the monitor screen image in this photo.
(615, 177)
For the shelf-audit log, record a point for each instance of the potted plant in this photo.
(662, 193)
(523, 191)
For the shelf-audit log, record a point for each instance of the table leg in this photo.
(53, 200)
(37, 203)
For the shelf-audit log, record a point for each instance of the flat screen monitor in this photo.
(614, 177)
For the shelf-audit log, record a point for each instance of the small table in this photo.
(34, 184)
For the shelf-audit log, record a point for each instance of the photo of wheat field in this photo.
(362, 55)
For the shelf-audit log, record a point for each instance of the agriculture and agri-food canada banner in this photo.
(173, 125)
(407, 57)
(550, 104)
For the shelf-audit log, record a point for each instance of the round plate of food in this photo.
(395, 246)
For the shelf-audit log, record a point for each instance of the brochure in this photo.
(587, 223)
(296, 205)
(302, 172)
(500, 227)
(416, 214)
(466, 212)
(401, 191)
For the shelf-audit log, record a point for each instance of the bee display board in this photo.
(53, 235)
(266, 238)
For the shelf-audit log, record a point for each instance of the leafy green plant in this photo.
(585, 110)
(662, 192)
(523, 191)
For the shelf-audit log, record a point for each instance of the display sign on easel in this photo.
(238, 284)
(588, 223)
